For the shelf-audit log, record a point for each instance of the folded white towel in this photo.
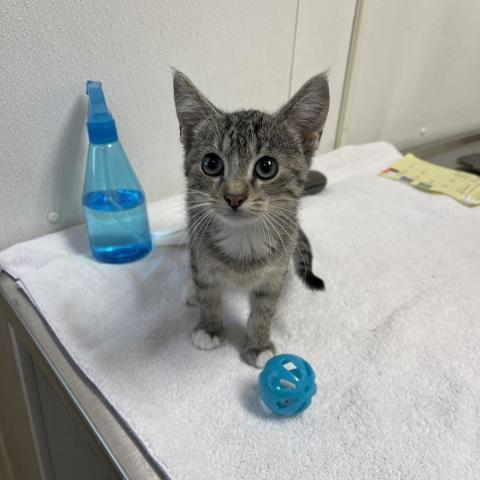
(394, 339)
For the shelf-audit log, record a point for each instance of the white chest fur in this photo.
(242, 242)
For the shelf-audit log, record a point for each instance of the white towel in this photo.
(394, 339)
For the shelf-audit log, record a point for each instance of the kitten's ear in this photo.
(192, 107)
(307, 111)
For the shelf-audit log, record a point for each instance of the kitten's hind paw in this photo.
(258, 357)
(189, 294)
(204, 341)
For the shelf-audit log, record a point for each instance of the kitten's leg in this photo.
(258, 347)
(189, 294)
(208, 332)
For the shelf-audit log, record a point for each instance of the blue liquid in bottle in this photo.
(117, 225)
(113, 199)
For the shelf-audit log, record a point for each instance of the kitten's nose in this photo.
(234, 199)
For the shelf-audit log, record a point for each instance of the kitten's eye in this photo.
(212, 165)
(266, 168)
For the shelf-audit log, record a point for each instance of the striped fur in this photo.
(251, 246)
(303, 263)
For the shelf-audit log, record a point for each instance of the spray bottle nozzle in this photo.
(100, 124)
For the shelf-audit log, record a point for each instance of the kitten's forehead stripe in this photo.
(241, 133)
(244, 133)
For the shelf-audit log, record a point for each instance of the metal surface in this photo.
(446, 152)
(114, 442)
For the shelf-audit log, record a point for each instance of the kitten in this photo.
(245, 174)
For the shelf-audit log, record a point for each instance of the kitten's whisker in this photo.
(295, 226)
(194, 219)
(272, 217)
(255, 227)
(204, 198)
(195, 215)
(189, 208)
(277, 220)
(192, 200)
(207, 225)
(284, 213)
(276, 207)
(199, 225)
(192, 230)
(200, 230)
(203, 201)
(287, 218)
(266, 217)
(193, 190)
(267, 237)
(191, 196)
(295, 243)
(284, 200)
(196, 202)
(184, 241)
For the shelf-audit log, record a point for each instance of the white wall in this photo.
(415, 73)
(240, 53)
(322, 43)
(415, 76)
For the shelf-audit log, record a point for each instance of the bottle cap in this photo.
(100, 123)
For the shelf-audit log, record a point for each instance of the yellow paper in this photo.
(464, 187)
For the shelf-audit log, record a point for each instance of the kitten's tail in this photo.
(303, 263)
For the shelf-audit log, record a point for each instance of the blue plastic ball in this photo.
(287, 384)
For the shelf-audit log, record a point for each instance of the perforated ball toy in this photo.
(287, 384)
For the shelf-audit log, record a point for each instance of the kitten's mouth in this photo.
(236, 218)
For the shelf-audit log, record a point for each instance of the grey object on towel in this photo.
(316, 182)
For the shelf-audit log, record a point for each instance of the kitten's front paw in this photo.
(258, 357)
(204, 341)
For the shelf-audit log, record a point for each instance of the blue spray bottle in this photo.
(113, 199)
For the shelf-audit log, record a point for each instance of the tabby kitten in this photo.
(245, 174)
